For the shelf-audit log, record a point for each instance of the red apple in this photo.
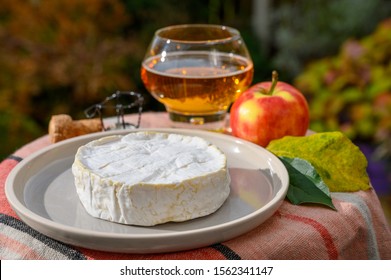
(268, 111)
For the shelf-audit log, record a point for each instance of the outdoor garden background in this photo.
(61, 56)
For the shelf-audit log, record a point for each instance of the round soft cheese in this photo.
(149, 178)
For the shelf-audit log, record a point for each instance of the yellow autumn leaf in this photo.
(339, 162)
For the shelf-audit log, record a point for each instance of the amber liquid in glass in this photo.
(197, 83)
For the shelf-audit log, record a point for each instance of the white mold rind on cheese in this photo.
(149, 178)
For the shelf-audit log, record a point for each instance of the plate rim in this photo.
(25, 213)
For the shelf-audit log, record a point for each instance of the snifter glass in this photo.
(197, 71)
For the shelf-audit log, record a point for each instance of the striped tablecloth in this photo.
(358, 230)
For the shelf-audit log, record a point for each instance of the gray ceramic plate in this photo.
(41, 191)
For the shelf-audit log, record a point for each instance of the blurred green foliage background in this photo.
(61, 56)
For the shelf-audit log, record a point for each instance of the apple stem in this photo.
(274, 82)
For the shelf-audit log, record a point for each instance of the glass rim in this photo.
(234, 34)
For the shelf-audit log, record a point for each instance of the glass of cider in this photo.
(197, 71)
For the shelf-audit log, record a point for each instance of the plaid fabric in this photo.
(358, 230)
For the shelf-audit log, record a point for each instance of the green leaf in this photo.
(340, 163)
(305, 184)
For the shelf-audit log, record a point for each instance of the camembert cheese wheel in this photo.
(149, 178)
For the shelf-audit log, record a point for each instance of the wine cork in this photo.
(62, 127)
